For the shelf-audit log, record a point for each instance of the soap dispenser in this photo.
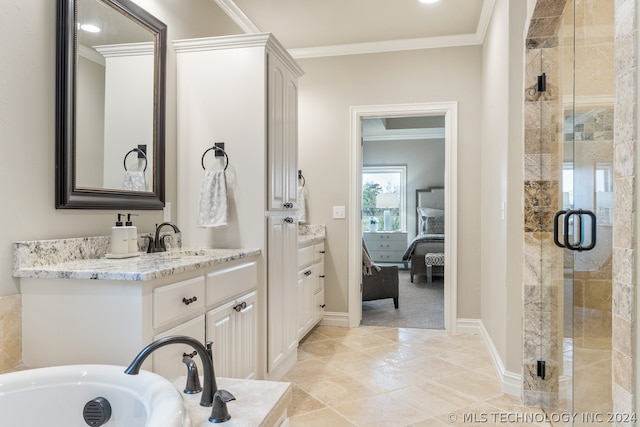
(119, 238)
(132, 235)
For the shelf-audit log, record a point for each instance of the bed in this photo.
(429, 238)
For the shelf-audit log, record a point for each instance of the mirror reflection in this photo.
(114, 100)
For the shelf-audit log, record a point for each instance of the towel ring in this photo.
(226, 158)
(133, 151)
(300, 176)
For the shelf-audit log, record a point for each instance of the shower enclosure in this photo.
(569, 211)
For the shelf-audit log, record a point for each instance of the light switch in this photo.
(338, 212)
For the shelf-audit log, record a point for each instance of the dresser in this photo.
(386, 246)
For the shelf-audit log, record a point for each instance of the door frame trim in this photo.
(450, 112)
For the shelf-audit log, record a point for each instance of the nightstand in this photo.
(386, 246)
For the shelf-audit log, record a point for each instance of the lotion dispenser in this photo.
(132, 235)
(119, 238)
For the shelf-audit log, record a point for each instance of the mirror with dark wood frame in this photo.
(110, 106)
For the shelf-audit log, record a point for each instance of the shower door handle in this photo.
(556, 230)
(579, 213)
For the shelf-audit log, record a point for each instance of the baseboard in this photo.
(335, 318)
(511, 382)
(284, 367)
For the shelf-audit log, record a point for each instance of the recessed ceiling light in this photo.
(429, 1)
(89, 28)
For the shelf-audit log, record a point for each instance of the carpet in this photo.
(421, 305)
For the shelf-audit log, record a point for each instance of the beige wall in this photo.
(330, 87)
(501, 176)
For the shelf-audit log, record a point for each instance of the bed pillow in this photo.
(432, 220)
(433, 225)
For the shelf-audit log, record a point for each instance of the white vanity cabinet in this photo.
(80, 321)
(232, 325)
(310, 293)
(242, 90)
(282, 337)
(282, 98)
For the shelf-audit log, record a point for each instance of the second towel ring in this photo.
(135, 150)
(226, 158)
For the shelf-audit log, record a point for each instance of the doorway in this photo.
(403, 162)
(448, 110)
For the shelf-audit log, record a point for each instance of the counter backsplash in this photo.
(36, 253)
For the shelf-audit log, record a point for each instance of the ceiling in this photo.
(345, 27)
(309, 29)
(403, 128)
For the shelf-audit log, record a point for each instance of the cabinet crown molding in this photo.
(264, 40)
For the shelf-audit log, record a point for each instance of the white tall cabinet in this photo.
(242, 90)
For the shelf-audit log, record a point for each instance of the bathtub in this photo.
(58, 396)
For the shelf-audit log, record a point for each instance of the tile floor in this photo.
(377, 376)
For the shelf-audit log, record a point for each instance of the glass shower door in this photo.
(575, 347)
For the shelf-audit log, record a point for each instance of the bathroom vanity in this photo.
(310, 278)
(98, 310)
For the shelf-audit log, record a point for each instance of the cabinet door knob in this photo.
(189, 300)
(321, 276)
(288, 220)
(322, 305)
(307, 273)
(287, 205)
(321, 252)
(241, 306)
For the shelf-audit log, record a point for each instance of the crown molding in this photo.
(386, 46)
(477, 38)
(126, 49)
(238, 16)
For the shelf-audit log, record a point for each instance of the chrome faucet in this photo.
(157, 244)
(210, 386)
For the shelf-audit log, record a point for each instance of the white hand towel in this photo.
(212, 210)
(302, 209)
(134, 181)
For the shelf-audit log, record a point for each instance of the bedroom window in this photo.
(384, 198)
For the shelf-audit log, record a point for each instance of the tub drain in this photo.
(97, 412)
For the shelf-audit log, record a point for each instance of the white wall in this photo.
(501, 175)
(330, 87)
(27, 110)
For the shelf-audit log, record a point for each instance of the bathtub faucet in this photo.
(210, 386)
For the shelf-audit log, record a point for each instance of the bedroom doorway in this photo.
(401, 157)
(398, 116)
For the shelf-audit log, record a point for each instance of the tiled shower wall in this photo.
(10, 332)
(543, 162)
(625, 193)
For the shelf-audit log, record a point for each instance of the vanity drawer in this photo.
(305, 256)
(229, 282)
(178, 300)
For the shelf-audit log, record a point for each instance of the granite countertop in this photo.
(309, 234)
(258, 403)
(140, 268)
(84, 258)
